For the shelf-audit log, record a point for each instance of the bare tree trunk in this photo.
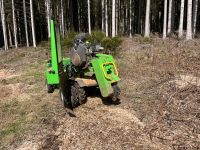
(47, 4)
(165, 20)
(169, 17)
(147, 23)
(79, 16)
(3, 21)
(102, 12)
(62, 19)
(106, 16)
(130, 26)
(10, 36)
(89, 21)
(25, 23)
(180, 34)
(113, 18)
(117, 16)
(32, 23)
(195, 16)
(189, 21)
(14, 24)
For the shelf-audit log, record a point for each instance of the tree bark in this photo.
(102, 13)
(89, 21)
(147, 24)
(169, 17)
(106, 16)
(62, 19)
(32, 23)
(3, 21)
(47, 4)
(195, 16)
(25, 23)
(165, 20)
(130, 25)
(10, 36)
(113, 18)
(14, 24)
(180, 35)
(189, 21)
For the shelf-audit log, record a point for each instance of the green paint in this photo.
(52, 67)
(102, 67)
(105, 84)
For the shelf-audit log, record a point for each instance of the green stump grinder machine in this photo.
(86, 67)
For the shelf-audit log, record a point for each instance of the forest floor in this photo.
(160, 101)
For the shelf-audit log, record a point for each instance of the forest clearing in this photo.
(159, 103)
(155, 45)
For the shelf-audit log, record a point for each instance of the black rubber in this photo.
(65, 98)
(116, 94)
(78, 95)
(50, 88)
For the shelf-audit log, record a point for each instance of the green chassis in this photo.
(102, 69)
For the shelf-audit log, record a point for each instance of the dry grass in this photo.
(159, 109)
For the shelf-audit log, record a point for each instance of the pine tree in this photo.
(32, 23)
(4, 26)
(181, 19)
(25, 23)
(106, 16)
(169, 17)
(189, 21)
(147, 24)
(14, 24)
(195, 16)
(113, 18)
(165, 20)
(89, 22)
(130, 26)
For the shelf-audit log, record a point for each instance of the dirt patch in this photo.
(7, 74)
(51, 142)
(123, 116)
(186, 80)
(13, 90)
(28, 145)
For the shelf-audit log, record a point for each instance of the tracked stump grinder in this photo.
(86, 67)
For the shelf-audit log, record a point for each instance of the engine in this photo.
(82, 51)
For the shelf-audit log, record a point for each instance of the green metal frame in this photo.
(106, 73)
(103, 67)
(52, 67)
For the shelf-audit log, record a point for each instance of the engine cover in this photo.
(78, 56)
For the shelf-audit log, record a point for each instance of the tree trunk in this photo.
(25, 23)
(106, 16)
(117, 17)
(47, 4)
(89, 21)
(32, 23)
(10, 36)
(130, 26)
(189, 21)
(14, 24)
(195, 16)
(147, 25)
(102, 13)
(169, 17)
(180, 35)
(113, 18)
(165, 20)
(79, 16)
(3, 21)
(62, 19)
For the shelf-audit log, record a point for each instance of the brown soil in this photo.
(159, 103)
